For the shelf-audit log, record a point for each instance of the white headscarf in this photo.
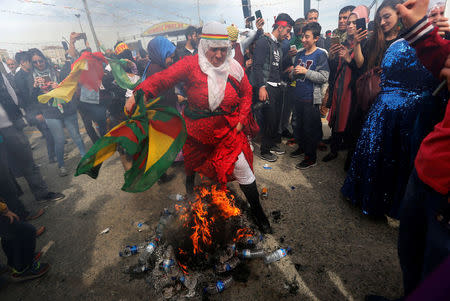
(217, 76)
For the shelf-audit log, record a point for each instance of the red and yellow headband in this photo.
(121, 48)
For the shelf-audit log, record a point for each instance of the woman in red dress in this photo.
(219, 102)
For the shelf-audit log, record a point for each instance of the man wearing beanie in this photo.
(266, 80)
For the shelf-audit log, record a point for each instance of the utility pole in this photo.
(79, 21)
(318, 5)
(97, 44)
(198, 13)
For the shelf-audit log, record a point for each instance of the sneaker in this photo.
(329, 157)
(269, 157)
(34, 215)
(36, 270)
(305, 164)
(63, 171)
(286, 134)
(277, 150)
(297, 153)
(52, 196)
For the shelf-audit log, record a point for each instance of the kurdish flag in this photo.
(86, 70)
(153, 136)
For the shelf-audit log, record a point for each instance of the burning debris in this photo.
(199, 246)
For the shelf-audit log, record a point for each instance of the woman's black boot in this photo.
(252, 195)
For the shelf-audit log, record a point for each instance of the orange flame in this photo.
(224, 203)
(242, 233)
(201, 225)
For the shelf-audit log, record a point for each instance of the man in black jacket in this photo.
(16, 144)
(24, 86)
(266, 80)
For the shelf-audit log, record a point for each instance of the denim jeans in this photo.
(18, 153)
(56, 127)
(43, 128)
(423, 242)
(18, 243)
(93, 112)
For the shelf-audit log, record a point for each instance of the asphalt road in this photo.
(338, 254)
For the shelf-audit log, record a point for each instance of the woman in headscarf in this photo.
(219, 101)
(57, 112)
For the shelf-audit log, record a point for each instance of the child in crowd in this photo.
(310, 72)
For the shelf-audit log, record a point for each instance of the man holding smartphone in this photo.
(266, 78)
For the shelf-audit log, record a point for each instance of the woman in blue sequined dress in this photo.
(399, 119)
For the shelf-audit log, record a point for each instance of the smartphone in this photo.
(82, 36)
(335, 40)
(46, 79)
(258, 14)
(361, 24)
(251, 19)
(64, 45)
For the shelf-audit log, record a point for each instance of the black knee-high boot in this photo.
(190, 180)
(252, 195)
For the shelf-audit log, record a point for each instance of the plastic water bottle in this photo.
(165, 217)
(133, 250)
(189, 281)
(252, 240)
(227, 266)
(149, 249)
(277, 255)
(176, 197)
(247, 254)
(219, 286)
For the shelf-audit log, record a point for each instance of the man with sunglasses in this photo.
(24, 84)
(341, 31)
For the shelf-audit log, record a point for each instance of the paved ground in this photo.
(338, 254)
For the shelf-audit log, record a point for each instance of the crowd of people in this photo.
(240, 92)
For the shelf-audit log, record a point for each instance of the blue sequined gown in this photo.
(396, 124)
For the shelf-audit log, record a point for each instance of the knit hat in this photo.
(121, 47)
(214, 31)
(233, 33)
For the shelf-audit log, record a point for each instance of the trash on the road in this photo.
(219, 286)
(176, 197)
(266, 166)
(292, 187)
(227, 266)
(142, 226)
(277, 255)
(251, 253)
(105, 231)
(133, 250)
(264, 192)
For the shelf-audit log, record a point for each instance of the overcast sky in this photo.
(35, 23)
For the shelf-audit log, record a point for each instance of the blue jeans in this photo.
(423, 242)
(56, 127)
(93, 112)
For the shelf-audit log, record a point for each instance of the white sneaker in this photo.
(63, 171)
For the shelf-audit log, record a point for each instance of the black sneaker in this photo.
(269, 157)
(297, 153)
(329, 157)
(52, 196)
(36, 270)
(277, 150)
(305, 164)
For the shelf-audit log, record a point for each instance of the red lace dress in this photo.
(213, 144)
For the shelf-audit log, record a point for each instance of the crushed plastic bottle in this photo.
(142, 226)
(176, 197)
(252, 240)
(163, 221)
(136, 270)
(277, 255)
(227, 266)
(246, 253)
(219, 286)
(189, 281)
(133, 250)
(168, 260)
(145, 255)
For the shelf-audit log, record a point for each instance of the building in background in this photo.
(56, 54)
(4, 55)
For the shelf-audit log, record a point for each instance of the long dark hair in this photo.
(34, 51)
(377, 43)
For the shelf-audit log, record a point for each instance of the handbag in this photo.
(367, 89)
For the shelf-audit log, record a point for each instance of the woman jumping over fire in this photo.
(219, 99)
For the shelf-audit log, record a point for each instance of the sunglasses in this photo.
(351, 22)
(36, 62)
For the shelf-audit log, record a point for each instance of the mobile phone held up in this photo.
(361, 24)
(251, 19)
(335, 40)
(82, 36)
(258, 14)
